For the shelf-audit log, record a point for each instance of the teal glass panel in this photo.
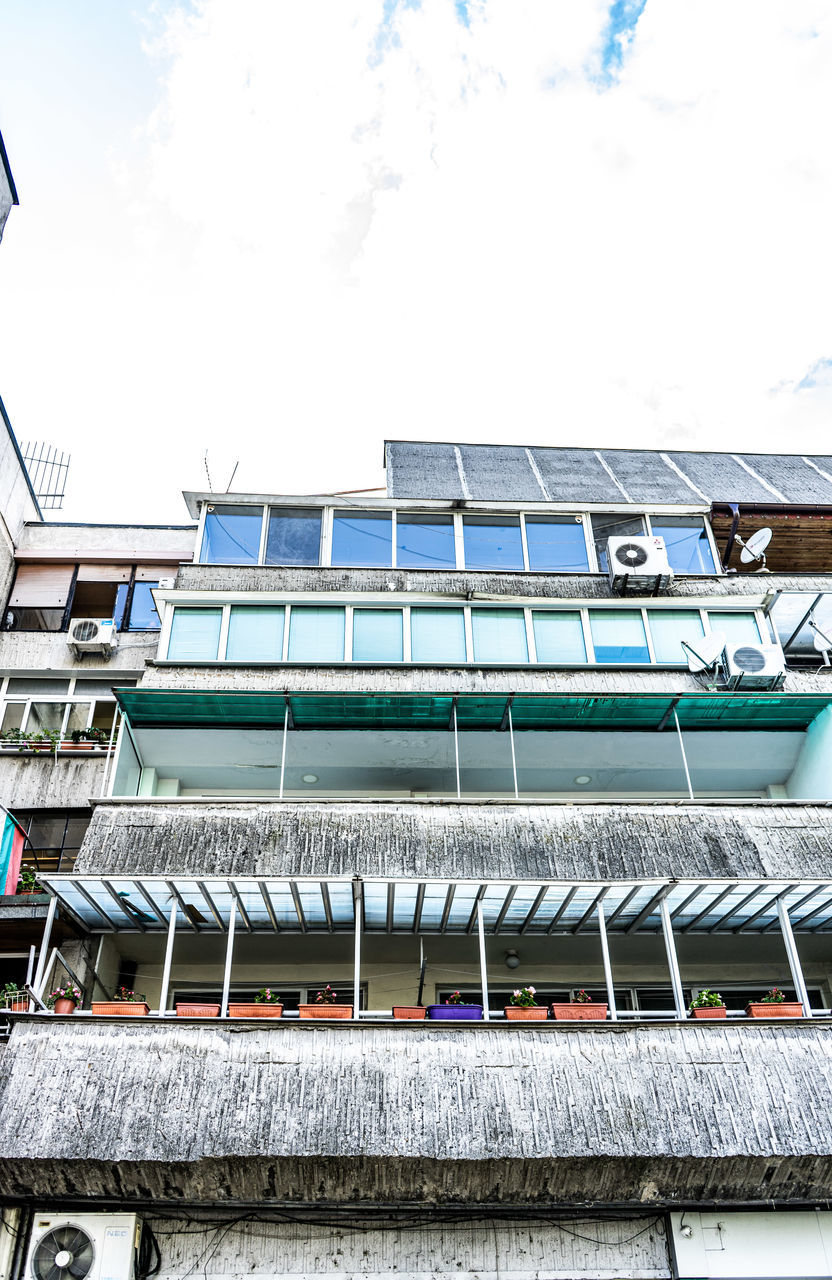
(618, 635)
(499, 635)
(669, 627)
(195, 635)
(316, 635)
(739, 628)
(377, 635)
(437, 635)
(558, 636)
(255, 634)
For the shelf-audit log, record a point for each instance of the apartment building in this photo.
(550, 719)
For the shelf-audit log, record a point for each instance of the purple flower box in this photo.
(455, 1012)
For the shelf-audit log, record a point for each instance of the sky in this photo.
(276, 233)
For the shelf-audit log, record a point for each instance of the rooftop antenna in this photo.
(707, 652)
(233, 474)
(207, 472)
(822, 641)
(755, 548)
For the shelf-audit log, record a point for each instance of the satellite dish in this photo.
(705, 653)
(821, 642)
(755, 547)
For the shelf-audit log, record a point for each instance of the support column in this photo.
(513, 756)
(229, 956)
(691, 796)
(40, 972)
(793, 957)
(283, 753)
(456, 754)
(163, 998)
(672, 960)
(483, 968)
(357, 901)
(605, 954)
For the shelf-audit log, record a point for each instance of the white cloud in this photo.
(335, 230)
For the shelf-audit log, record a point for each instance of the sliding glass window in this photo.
(609, 526)
(558, 636)
(669, 627)
(232, 535)
(425, 541)
(362, 538)
(686, 543)
(255, 634)
(499, 635)
(437, 635)
(738, 628)
(316, 635)
(618, 635)
(195, 635)
(294, 536)
(492, 542)
(556, 542)
(377, 635)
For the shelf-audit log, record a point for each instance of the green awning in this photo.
(232, 709)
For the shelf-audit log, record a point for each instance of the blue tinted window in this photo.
(255, 634)
(556, 542)
(492, 542)
(425, 542)
(686, 542)
(499, 635)
(294, 536)
(669, 627)
(558, 636)
(437, 635)
(316, 635)
(618, 635)
(195, 635)
(232, 535)
(143, 615)
(362, 538)
(377, 635)
(605, 527)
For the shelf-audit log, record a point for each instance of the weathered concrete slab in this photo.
(606, 1116)
(433, 840)
(38, 781)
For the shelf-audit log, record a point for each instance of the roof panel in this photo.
(422, 471)
(504, 469)
(568, 473)
(647, 478)
(791, 476)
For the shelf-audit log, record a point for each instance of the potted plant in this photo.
(774, 1005)
(13, 999)
(124, 1004)
(28, 883)
(455, 1010)
(192, 1009)
(708, 1004)
(86, 739)
(43, 740)
(325, 1005)
(13, 739)
(522, 1006)
(266, 1004)
(409, 1012)
(64, 999)
(581, 1008)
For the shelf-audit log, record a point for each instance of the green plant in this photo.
(98, 736)
(48, 738)
(707, 1000)
(327, 996)
(28, 882)
(126, 996)
(774, 996)
(266, 996)
(68, 991)
(581, 997)
(11, 992)
(455, 998)
(524, 997)
(14, 735)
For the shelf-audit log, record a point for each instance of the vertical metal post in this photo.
(513, 756)
(40, 972)
(283, 755)
(229, 955)
(483, 970)
(605, 955)
(793, 957)
(357, 899)
(163, 998)
(109, 760)
(672, 960)
(691, 796)
(456, 754)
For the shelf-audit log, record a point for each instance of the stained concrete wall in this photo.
(625, 1115)
(430, 840)
(41, 652)
(42, 782)
(78, 540)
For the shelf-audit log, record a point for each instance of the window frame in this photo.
(69, 700)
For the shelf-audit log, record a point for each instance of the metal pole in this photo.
(684, 757)
(605, 955)
(229, 953)
(40, 972)
(49, 967)
(513, 756)
(793, 958)
(163, 998)
(483, 972)
(672, 960)
(456, 752)
(283, 755)
(108, 762)
(357, 895)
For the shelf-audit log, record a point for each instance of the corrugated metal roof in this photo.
(514, 473)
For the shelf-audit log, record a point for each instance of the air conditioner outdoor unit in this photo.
(93, 635)
(638, 563)
(753, 666)
(83, 1246)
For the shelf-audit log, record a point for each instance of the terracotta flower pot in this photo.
(579, 1012)
(121, 1008)
(76, 746)
(63, 1007)
(325, 1010)
(531, 1013)
(255, 1010)
(412, 1012)
(19, 1006)
(787, 1009)
(197, 1011)
(709, 1011)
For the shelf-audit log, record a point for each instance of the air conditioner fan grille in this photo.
(84, 631)
(64, 1253)
(749, 659)
(631, 555)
